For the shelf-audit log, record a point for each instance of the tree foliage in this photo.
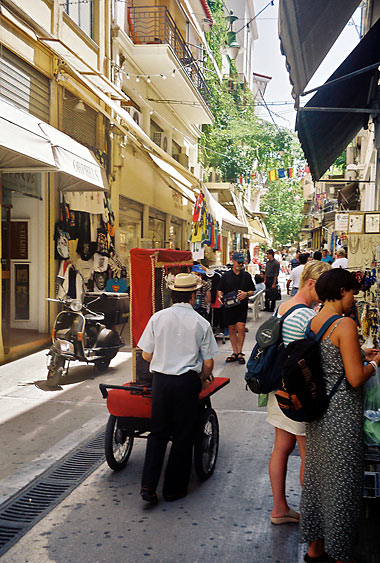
(238, 142)
(283, 202)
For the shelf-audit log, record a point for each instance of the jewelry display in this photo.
(364, 243)
(353, 244)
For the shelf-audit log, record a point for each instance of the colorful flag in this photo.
(281, 172)
(290, 173)
(272, 175)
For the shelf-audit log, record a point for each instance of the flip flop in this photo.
(291, 517)
(232, 358)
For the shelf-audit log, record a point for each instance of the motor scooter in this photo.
(84, 334)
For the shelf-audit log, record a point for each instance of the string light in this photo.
(138, 77)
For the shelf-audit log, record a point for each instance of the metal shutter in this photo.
(23, 85)
(80, 126)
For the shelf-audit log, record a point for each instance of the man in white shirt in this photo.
(295, 275)
(180, 346)
(341, 260)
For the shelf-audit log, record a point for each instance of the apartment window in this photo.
(82, 13)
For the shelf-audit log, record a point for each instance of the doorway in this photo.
(5, 266)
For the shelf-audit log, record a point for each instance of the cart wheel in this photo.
(118, 446)
(206, 444)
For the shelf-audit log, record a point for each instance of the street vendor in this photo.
(180, 346)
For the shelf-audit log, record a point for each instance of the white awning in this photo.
(24, 147)
(79, 170)
(27, 144)
(177, 178)
(220, 214)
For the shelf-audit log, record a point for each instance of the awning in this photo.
(325, 134)
(101, 87)
(78, 168)
(224, 217)
(24, 147)
(27, 144)
(307, 30)
(180, 181)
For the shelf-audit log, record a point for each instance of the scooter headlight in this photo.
(75, 305)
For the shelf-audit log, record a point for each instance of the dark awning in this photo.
(325, 134)
(307, 30)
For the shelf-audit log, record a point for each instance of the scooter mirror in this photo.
(60, 280)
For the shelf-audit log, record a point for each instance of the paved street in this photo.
(225, 518)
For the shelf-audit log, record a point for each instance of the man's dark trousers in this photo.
(175, 404)
(269, 303)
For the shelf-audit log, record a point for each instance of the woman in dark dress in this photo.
(332, 487)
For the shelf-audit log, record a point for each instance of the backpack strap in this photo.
(289, 311)
(325, 326)
(335, 387)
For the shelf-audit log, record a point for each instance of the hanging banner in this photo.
(341, 222)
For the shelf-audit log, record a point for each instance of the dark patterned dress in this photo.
(333, 481)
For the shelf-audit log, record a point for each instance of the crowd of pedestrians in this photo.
(179, 344)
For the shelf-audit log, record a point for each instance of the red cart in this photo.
(130, 405)
(130, 408)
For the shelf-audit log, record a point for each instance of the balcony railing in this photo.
(154, 25)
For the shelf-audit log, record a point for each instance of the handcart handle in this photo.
(103, 389)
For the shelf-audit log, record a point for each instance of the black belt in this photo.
(190, 372)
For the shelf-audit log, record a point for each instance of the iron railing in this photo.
(154, 25)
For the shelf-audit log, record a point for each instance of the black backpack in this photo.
(302, 394)
(263, 371)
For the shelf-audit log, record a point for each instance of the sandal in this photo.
(232, 358)
(241, 359)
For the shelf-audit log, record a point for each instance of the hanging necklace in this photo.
(364, 246)
(353, 243)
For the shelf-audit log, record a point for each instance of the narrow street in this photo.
(225, 518)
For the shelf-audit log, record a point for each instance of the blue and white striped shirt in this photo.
(294, 326)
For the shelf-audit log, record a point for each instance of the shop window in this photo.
(157, 232)
(83, 15)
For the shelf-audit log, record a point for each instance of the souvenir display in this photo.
(84, 239)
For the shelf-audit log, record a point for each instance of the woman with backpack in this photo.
(289, 432)
(333, 483)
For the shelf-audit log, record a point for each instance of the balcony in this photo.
(160, 49)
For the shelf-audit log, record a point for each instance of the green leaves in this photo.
(284, 210)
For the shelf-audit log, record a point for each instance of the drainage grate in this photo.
(24, 510)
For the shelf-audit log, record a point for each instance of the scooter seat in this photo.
(94, 318)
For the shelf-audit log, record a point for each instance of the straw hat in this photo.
(185, 282)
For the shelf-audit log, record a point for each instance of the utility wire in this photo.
(271, 3)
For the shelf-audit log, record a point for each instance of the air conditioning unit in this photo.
(135, 114)
(197, 170)
(160, 139)
(182, 158)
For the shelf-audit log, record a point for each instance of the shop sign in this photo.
(19, 240)
(21, 292)
(26, 183)
(341, 222)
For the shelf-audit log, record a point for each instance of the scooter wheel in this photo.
(102, 364)
(118, 446)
